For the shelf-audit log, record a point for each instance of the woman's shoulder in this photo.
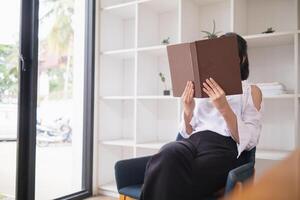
(256, 95)
(252, 91)
(256, 91)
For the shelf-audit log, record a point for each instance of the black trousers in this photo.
(191, 169)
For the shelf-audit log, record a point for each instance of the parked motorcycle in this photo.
(57, 131)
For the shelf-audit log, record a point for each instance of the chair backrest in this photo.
(179, 137)
(246, 157)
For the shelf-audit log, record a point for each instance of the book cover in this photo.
(196, 61)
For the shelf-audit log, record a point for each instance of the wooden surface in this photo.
(280, 182)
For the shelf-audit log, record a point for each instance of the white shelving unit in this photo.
(157, 20)
(110, 154)
(135, 119)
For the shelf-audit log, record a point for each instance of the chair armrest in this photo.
(130, 171)
(239, 174)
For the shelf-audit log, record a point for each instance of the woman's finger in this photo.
(190, 91)
(208, 89)
(191, 95)
(214, 82)
(218, 87)
(206, 92)
(213, 87)
(192, 88)
(185, 90)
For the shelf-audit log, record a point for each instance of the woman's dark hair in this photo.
(242, 46)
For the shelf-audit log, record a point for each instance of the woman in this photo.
(216, 130)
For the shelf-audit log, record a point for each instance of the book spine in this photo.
(197, 84)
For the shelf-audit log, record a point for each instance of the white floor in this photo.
(53, 170)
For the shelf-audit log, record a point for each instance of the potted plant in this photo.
(163, 80)
(213, 34)
(166, 41)
(269, 30)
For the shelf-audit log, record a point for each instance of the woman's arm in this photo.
(231, 121)
(217, 95)
(187, 120)
(188, 106)
(230, 117)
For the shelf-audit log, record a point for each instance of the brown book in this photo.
(196, 61)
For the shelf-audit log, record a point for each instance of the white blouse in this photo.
(249, 119)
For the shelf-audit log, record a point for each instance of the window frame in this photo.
(27, 102)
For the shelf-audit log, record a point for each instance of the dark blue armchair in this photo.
(130, 173)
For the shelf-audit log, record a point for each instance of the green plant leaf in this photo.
(208, 33)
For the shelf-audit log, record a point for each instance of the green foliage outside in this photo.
(59, 41)
(8, 72)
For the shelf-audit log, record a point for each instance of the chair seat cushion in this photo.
(132, 191)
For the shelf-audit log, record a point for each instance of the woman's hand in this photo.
(188, 99)
(216, 94)
(188, 105)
